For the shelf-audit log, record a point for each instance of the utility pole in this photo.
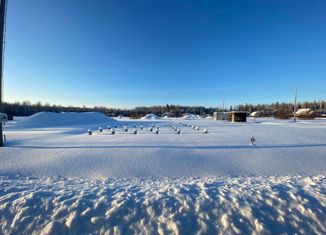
(295, 106)
(223, 104)
(2, 31)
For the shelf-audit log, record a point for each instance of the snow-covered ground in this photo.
(234, 205)
(282, 147)
(55, 178)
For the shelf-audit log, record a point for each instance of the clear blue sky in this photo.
(131, 53)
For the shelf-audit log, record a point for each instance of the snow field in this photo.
(281, 147)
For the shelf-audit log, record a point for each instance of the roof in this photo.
(238, 112)
(305, 112)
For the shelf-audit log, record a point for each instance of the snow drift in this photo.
(51, 119)
(150, 117)
(190, 116)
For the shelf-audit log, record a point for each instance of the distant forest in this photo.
(26, 108)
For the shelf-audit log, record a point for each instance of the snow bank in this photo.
(51, 119)
(227, 205)
(150, 117)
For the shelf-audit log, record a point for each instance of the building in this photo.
(220, 116)
(255, 114)
(237, 116)
(305, 114)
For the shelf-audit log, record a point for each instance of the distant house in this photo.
(255, 114)
(237, 116)
(305, 114)
(220, 116)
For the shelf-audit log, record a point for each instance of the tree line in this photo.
(26, 108)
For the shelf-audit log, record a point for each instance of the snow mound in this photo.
(189, 116)
(208, 205)
(150, 117)
(51, 119)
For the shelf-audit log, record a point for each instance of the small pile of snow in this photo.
(209, 117)
(51, 119)
(150, 117)
(189, 116)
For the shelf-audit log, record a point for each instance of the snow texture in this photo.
(227, 205)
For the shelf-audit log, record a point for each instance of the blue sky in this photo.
(133, 53)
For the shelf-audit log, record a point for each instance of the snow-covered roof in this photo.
(255, 114)
(304, 112)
